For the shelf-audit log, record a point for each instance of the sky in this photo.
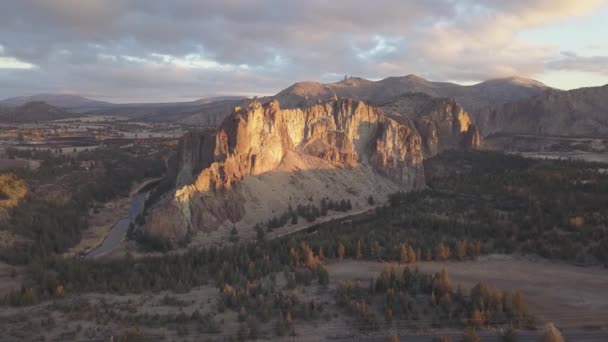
(158, 50)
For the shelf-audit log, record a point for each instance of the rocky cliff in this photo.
(441, 122)
(263, 158)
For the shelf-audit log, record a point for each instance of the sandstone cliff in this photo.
(264, 158)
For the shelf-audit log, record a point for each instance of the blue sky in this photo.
(156, 50)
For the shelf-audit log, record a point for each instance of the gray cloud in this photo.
(161, 50)
(572, 61)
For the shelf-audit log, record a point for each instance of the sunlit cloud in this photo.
(13, 63)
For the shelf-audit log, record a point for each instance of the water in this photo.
(119, 230)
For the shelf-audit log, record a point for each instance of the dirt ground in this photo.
(567, 295)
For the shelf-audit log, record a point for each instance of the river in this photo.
(119, 231)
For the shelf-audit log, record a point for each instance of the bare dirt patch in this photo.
(568, 295)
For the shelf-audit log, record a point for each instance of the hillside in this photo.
(33, 112)
(579, 112)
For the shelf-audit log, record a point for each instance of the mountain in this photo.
(473, 98)
(33, 112)
(263, 160)
(66, 101)
(578, 112)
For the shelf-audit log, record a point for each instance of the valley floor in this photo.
(570, 296)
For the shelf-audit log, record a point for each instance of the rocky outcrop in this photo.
(344, 142)
(441, 122)
(254, 140)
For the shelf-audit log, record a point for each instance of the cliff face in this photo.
(441, 122)
(343, 133)
(320, 151)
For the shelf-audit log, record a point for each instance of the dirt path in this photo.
(568, 295)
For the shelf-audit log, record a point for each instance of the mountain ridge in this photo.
(577, 112)
(493, 91)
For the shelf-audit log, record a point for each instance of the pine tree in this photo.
(411, 255)
(340, 251)
(403, 256)
(359, 252)
(461, 250)
(552, 334)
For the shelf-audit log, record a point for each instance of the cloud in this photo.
(127, 49)
(573, 62)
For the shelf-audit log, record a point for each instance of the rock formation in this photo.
(441, 122)
(339, 148)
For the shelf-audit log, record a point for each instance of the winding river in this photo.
(119, 231)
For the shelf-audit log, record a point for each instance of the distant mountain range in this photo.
(33, 112)
(472, 98)
(77, 103)
(506, 105)
(72, 102)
